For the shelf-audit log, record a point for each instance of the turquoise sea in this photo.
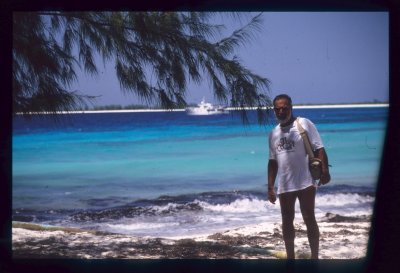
(169, 174)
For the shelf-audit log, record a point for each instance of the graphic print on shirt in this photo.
(285, 144)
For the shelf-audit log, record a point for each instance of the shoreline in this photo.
(313, 106)
(341, 238)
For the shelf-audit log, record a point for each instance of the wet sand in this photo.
(341, 238)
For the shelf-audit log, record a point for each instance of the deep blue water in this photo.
(148, 173)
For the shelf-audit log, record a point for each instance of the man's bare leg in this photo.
(307, 206)
(287, 202)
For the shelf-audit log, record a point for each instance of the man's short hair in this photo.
(283, 96)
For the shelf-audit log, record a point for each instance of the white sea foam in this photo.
(343, 199)
(238, 206)
(357, 203)
(131, 227)
(175, 220)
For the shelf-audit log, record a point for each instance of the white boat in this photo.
(205, 108)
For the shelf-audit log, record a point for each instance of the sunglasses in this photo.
(277, 109)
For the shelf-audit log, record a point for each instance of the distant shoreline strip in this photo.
(341, 106)
(319, 106)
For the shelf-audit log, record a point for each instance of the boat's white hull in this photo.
(202, 112)
(204, 108)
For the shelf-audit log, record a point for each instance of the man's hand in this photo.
(271, 196)
(325, 178)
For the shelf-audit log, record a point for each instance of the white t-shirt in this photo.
(287, 148)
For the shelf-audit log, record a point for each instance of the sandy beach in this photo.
(341, 238)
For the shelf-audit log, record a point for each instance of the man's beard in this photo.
(286, 119)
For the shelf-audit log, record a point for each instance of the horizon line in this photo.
(314, 106)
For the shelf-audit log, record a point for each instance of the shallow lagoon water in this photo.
(155, 173)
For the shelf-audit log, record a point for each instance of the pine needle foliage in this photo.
(156, 55)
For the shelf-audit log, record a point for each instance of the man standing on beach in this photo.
(288, 157)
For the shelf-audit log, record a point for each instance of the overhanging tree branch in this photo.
(174, 47)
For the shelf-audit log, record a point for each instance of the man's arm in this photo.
(272, 172)
(325, 176)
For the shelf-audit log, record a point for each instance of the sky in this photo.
(315, 57)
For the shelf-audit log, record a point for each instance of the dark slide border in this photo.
(383, 243)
